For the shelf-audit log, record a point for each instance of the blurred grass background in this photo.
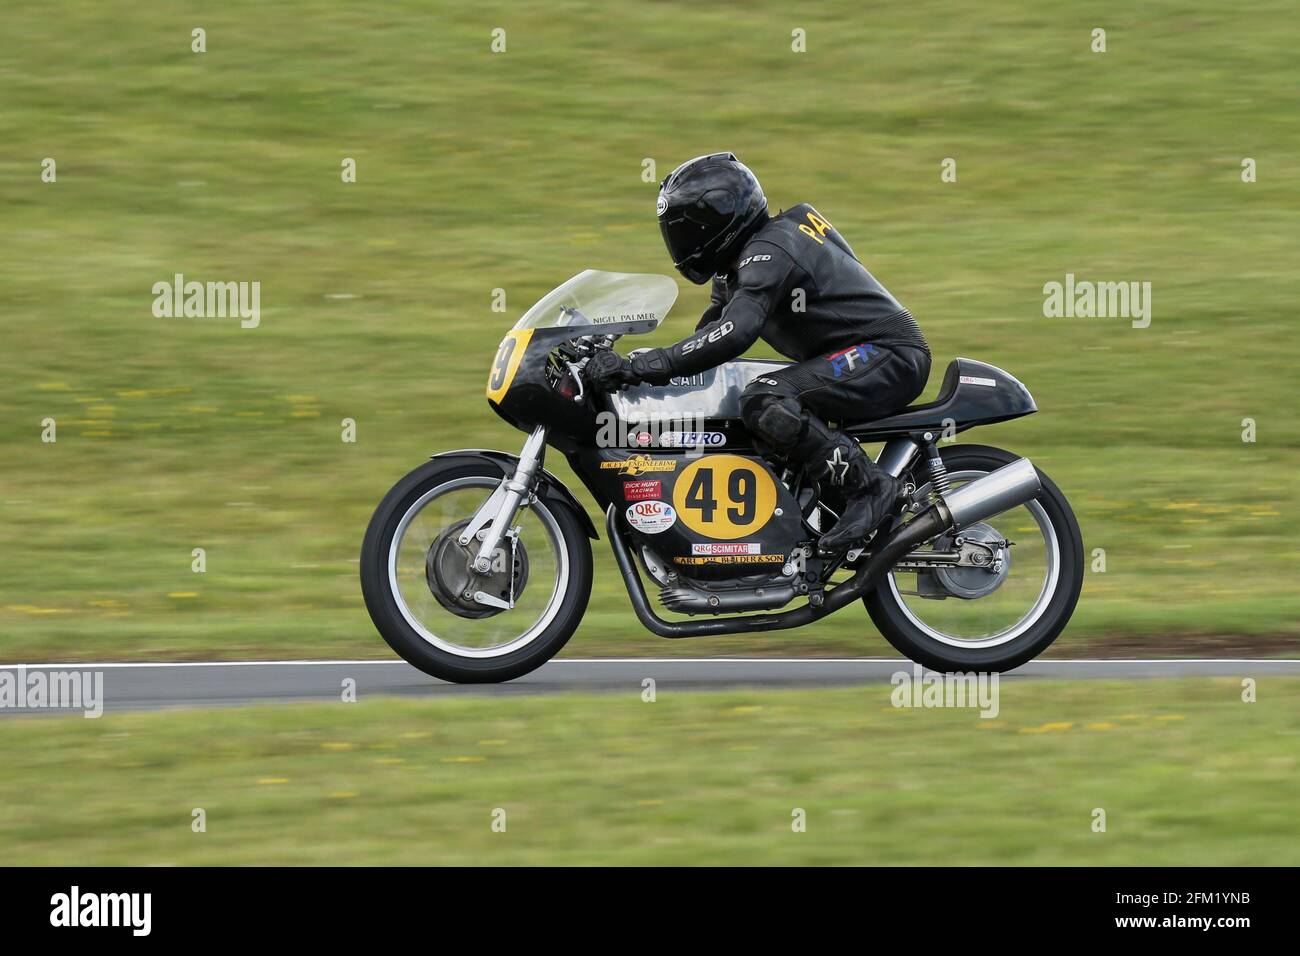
(479, 171)
(694, 778)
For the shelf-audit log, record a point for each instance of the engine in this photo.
(754, 592)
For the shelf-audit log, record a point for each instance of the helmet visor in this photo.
(686, 241)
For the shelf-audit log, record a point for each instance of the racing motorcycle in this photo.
(477, 566)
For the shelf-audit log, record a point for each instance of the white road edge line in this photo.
(85, 665)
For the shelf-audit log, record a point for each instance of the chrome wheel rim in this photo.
(497, 635)
(964, 623)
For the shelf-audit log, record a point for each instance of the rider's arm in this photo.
(764, 278)
(717, 302)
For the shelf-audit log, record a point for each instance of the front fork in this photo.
(503, 504)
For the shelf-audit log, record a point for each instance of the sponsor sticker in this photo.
(727, 547)
(691, 439)
(640, 464)
(642, 490)
(976, 380)
(734, 559)
(651, 517)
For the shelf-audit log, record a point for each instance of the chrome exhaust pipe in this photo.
(999, 491)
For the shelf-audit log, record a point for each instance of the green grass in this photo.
(1185, 771)
(480, 171)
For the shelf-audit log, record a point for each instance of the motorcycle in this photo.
(477, 566)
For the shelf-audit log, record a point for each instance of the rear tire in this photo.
(415, 648)
(899, 628)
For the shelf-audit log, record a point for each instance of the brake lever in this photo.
(576, 372)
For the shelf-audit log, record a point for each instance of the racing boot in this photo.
(869, 493)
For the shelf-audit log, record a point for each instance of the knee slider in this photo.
(780, 422)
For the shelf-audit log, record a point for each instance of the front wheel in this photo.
(1009, 608)
(416, 578)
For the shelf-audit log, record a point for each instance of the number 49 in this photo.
(741, 494)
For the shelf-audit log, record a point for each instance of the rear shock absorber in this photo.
(938, 472)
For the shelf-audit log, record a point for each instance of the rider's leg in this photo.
(856, 385)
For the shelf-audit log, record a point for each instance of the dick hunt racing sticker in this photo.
(643, 490)
(651, 517)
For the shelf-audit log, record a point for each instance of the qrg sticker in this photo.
(651, 517)
(727, 547)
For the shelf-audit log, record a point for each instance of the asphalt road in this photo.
(149, 686)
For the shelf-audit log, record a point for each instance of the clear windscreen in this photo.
(616, 303)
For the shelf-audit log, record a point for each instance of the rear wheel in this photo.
(416, 578)
(1009, 608)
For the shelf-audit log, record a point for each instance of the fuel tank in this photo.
(713, 395)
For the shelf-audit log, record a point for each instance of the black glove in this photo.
(607, 371)
(653, 365)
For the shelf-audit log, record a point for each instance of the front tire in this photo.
(1002, 644)
(423, 626)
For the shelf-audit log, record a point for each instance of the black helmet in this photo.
(707, 209)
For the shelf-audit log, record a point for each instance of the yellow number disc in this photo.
(506, 363)
(724, 496)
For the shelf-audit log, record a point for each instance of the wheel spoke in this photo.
(986, 606)
(434, 587)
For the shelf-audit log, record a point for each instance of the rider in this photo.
(792, 280)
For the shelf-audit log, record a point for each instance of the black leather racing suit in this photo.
(860, 355)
